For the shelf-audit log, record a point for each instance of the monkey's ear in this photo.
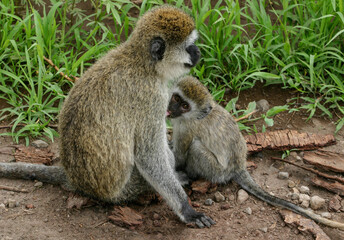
(157, 48)
(204, 112)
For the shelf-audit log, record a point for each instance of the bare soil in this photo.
(51, 219)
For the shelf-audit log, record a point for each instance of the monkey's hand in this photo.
(199, 219)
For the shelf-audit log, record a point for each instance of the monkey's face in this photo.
(181, 107)
(175, 60)
(177, 106)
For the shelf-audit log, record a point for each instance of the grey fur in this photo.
(214, 148)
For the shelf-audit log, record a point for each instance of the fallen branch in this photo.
(311, 170)
(327, 160)
(246, 116)
(13, 189)
(57, 69)
(335, 186)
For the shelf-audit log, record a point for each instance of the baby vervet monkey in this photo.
(207, 143)
(112, 127)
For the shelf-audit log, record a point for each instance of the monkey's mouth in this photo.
(168, 113)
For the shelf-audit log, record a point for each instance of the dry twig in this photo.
(13, 189)
(246, 116)
(57, 69)
(311, 170)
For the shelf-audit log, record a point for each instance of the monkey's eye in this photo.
(176, 98)
(185, 106)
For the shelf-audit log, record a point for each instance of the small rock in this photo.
(38, 184)
(298, 158)
(303, 197)
(195, 205)
(12, 203)
(295, 190)
(60, 230)
(291, 184)
(304, 189)
(326, 215)
(305, 204)
(2, 206)
(283, 175)
(317, 202)
(156, 216)
(242, 196)
(293, 154)
(248, 211)
(262, 105)
(39, 144)
(231, 197)
(295, 196)
(45, 220)
(30, 206)
(264, 229)
(208, 202)
(219, 197)
(225, 206)
(271, 193)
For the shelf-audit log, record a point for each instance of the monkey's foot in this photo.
(199, 219)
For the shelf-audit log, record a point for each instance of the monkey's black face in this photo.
(195, 55)
(177, 106)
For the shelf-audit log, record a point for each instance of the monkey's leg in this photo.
(202, 162)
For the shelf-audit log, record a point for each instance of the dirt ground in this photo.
(51, 219)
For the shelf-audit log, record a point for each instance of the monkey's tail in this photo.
(244, 179)
(47, 174)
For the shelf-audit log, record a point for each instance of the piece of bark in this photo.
(327, 160)
(251, 165)
(125, 216)
(303, 224)
(287, 139)
(201, 186)
(332, 186)
(33, 155)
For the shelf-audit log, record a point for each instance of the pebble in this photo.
(39, 144)
(30, 206)
(303, 197)
(12, 203)
(225, 206)
(242, 196)
(326, 215)
(291, 184)
(335, 203)
(293, 154)
(156, 216)
(262, 105)
(317, 202)
(208, 202)
(219, 197)
(283, 175)
(38, 184)
(60, 230)
(295, 190)
(264, 229)
(2, 206)
(305, 204)
(304, 189)
(248, 211)
(298, 158)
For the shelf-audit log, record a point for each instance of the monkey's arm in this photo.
(181, 144)
(153, 164)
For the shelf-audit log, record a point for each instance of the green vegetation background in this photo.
(298, 44)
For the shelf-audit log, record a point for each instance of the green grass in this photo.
(299, 45)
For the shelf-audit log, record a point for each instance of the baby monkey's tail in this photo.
(244, 179)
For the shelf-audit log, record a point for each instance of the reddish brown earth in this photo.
(50, 219)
